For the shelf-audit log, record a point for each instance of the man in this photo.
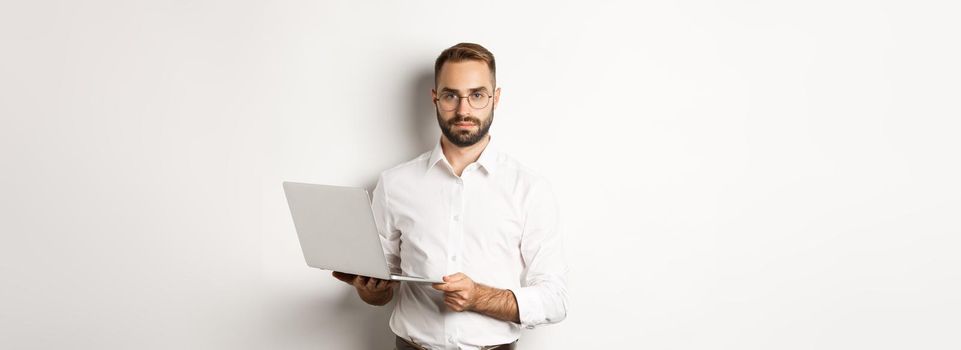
(475, 216)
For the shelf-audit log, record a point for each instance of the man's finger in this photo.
(361, 281)
(344, 277)
(453, 306)
(455, 277)
(456, 285)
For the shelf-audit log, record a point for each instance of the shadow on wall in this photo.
(341, 320)
(370, 321)
(422, 130)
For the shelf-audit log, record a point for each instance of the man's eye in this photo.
(477, 95)
(447, 96)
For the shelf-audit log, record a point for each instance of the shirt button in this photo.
(453, 258)
(456, 217)
(460, 181)
(450, 339)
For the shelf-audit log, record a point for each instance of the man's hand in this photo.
(374, 291)
(461, 293)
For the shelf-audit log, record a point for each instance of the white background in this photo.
(732, 174)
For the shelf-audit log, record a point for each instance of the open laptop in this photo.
(337, 231)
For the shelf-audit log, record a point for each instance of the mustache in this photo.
(473, 120)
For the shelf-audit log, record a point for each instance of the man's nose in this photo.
(463, 107)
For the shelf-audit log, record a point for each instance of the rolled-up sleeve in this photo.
(542, 297)
(389, 235)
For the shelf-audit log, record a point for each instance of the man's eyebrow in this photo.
(482, 88)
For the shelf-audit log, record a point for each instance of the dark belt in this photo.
(404, 344)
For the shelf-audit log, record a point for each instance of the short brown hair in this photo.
(465, 52)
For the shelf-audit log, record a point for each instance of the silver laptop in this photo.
(337, 230)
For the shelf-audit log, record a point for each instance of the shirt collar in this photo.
(487, 159)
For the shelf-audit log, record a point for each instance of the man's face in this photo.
(465, 125)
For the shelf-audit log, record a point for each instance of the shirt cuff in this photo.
(530, 310)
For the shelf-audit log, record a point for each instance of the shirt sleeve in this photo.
(542, 297)
(389, 235)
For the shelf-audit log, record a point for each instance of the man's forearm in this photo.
(496, 303)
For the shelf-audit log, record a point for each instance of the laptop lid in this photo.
(336, 229)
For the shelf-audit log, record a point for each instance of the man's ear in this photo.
(497, 96)
(433, 95)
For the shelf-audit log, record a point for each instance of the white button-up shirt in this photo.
(497, 223)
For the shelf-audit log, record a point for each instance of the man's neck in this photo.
(460, 157)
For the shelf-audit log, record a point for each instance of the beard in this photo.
(464, 138)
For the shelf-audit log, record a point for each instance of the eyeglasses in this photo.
(448, 101)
